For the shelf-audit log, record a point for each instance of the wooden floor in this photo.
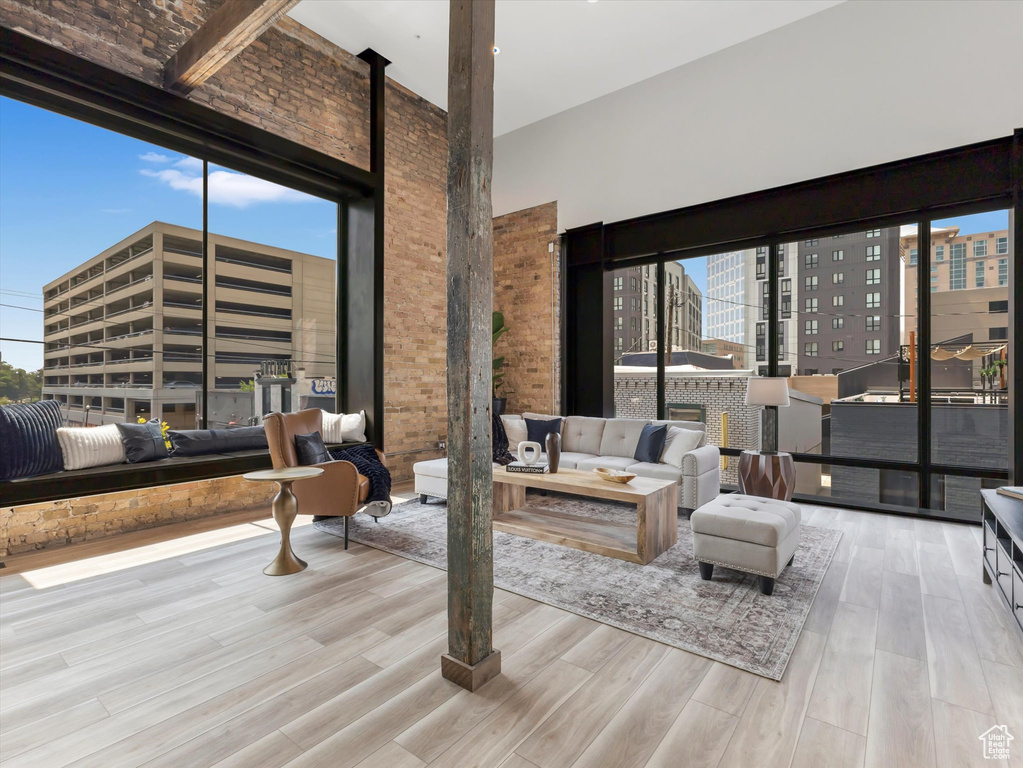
(180, 652)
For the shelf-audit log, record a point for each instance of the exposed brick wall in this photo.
(36, 526)
(525, 282)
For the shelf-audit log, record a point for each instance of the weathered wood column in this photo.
(471, 660)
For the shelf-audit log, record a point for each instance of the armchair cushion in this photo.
(310, 449)
(701, 460)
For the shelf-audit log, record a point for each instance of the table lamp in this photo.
(772, 393)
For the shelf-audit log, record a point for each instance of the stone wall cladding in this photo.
(37, 526)
(525, 279)
(636, 398)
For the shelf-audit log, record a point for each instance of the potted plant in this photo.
(499, 330)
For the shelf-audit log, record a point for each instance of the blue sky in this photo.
(69, 190)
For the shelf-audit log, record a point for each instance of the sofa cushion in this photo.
(515, 428)
(607, 462)
(655, 471)
(747, 518)
(651, 443)
(697, 426)
(582, 434)
(202, 442)
(28, 439)
(85, 447)
(571, 459)
(621, 437)
(143, 442)
(538, 429)
(678, 443)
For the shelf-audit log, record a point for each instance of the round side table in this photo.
(768, 475)
(285, 510)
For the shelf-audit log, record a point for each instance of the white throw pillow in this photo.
(332, 427)
(344, 427)
(678, 443)
(515, 428)
(353, 427)
(85, 447)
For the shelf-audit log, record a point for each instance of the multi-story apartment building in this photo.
(122, 331)
(969, 285)
(730, 309)
(851, 307)
(636, 314)
(788, 309)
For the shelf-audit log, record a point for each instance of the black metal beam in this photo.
(48, 77)
(923, 362)
(365, 292)
(663, 343)
(1015, 373)
(973, 173)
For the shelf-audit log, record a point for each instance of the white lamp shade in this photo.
(765, 390)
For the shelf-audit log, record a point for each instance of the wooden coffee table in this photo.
(655, 531)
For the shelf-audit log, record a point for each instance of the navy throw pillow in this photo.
(651, 443)
(28, 439)
(142, 442)
(538, 429)
(202, 442)
(310, 449)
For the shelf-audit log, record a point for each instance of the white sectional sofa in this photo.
(587, 443)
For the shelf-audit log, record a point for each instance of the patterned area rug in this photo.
(726, 619)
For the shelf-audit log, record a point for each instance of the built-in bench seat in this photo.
(124, 477)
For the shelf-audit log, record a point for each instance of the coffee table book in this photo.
(528, 469)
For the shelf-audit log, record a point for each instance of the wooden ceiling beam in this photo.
(224, 35)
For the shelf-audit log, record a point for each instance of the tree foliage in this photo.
(19, 385)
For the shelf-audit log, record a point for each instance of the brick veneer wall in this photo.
(525, 278)
(636, 398)
(36, 526)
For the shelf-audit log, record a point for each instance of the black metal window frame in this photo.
(972, 179)
(44, 76)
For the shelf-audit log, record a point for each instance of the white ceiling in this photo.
(555, 54)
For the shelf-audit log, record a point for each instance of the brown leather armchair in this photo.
(340, 491)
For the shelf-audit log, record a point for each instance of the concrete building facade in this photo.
(122, 331)
(850, 311)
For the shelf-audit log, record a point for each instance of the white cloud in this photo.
(154, 157)
(225, 187)
(190, 163)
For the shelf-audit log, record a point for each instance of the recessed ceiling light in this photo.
(496, 50)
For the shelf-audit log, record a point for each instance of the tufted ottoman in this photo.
(431, 479)
(746, 533)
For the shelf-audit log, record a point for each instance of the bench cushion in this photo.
(607, 462)
(655, 471)
(752, 519)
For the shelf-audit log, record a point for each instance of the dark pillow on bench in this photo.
(310, 449)
(28, 439)
(143, 442)
(200, 442)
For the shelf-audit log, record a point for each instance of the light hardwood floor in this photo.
(171, 648)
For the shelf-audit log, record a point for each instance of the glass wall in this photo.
(272, 340)
(635, 313)
(100, 270)
(102, 278)
(969, 296)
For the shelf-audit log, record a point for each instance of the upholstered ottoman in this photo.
(431, 479)
(746, 533)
